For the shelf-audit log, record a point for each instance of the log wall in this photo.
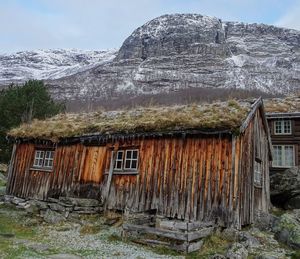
(201, 177)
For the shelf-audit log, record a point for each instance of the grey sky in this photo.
(98, 24)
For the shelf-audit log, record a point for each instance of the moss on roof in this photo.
(282, 105)
(218, 116)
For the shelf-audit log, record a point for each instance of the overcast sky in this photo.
(102, 24)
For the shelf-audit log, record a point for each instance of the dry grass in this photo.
(220, 115)
(278, 105)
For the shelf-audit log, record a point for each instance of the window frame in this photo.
(282, 121)
(124, 169)
(258, 166)
(283, 156)
(44, 159)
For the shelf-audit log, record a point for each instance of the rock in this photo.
(231, 234)
(53, 217)
(267, 255)
(237, 251)
(40, 204)
(64, 256)
(285, 188)
(287, 229)
(248, 240)
(56, 207)
(8, 198)
(264, 221)
(17, 200)
(80, 202)
(293, 203)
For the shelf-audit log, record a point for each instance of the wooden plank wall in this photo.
(190, 178)
(254, 145)
(77, 171)
(195, 178)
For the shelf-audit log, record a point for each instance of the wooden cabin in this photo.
(283, 115)
(195, 163)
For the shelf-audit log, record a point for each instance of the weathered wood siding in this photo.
(200, 177)
(254, 144)
(77, 171)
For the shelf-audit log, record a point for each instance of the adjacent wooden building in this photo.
(283, 115)
(195, 163)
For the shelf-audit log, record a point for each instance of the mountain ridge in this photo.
(186, 51)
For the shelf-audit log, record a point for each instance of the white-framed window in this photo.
(119, 160)
(126, 160)
(38, 158)
(43, 159)
(284, 156)
(258, 172)
(282, 127)
(131, 159)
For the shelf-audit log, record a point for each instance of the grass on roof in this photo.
(221, 115)
(278, 105)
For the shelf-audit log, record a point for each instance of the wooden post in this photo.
(110, 174)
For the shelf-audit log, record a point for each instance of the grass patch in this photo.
(214, 244)
(89, 229)
(114, 238)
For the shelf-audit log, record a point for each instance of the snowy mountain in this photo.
(182, 51)
(170, 54)
(49, 64)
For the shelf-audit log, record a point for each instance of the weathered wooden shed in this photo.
(194, 162)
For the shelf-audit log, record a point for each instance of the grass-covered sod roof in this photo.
(288, 104)
(218, 116)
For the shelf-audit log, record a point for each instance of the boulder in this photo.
(237, 251)
(287, 229)
(285, 188)
(53, 217)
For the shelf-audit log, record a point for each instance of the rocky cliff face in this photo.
(182, 51)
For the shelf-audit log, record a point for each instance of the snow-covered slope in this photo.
(182, 51)
(49, 64)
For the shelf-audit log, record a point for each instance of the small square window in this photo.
(43, 159)
(127, 161)
(282, 127)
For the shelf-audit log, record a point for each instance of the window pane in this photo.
(134, 164)
(127, 164)
(134, 155)
(289, 155)
(278, 127)
(120, 155)
(128, 154)
(119, 165)
(39, 158)
(277, 156)
(287, 126)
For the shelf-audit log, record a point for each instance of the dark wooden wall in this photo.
(292, 139)
(199, 177)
